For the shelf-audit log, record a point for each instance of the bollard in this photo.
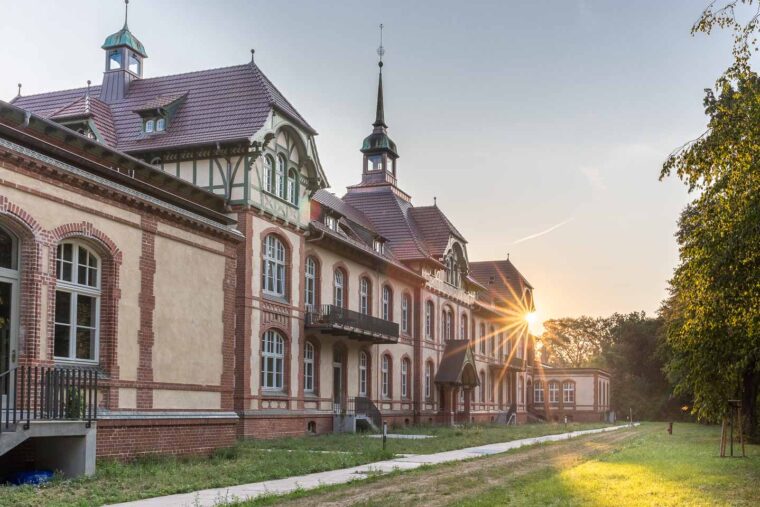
(385, 433)
(670, 428)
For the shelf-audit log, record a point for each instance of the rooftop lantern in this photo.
(124, 61)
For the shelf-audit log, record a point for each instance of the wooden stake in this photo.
(741, 431)
(723, 438)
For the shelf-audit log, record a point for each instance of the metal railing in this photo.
(47, 393)
(363, 406)
(337, 317)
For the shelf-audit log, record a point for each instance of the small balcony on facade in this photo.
(331, 319)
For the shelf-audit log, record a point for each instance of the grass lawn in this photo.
(632, 467)
(254, 461)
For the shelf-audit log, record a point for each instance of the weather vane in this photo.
(381, 49)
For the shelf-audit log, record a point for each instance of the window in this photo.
(520, 390)
(274, 266)
(77, 302)
(308, 368)
(374, 163)
(267, 180)
(428, 379)
(429, 320)
(387, 303)
(364, 298)
(482, 386)
(553, 392)
(8, 251)
(331, 222)
(293, 187)
(134, 64)
(492, 342)
(339, 289)
(379, 246)
(405, 378)
(482, 338)
(386, 376)
(538, 392)
(279, 177)
(160, 125)
(518, 346)
(568, 393)
(273, 361)
(363, 362)
(446, 324)
(463, 327)
(149, 126)
(405, 313)
(310, 283)
(114, 60)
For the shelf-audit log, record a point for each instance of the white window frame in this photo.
(568, 393)
(331, 222)
(553, 392)
(538, 392)
(75, 289)
(274, 272)
(363, 362)
(463, 327)
(339, 288)
(273, 361)
(428, 379)
(160, 125)
(429, 311)
(364, 295)
(149, 126)
(385, 376)
(308, 367)
(404, 378)
(280, 174)
(520, 390)
(378, 246)
(387, 300)
(293, 187)
(405, 313)
(267, 182)
(310, 283)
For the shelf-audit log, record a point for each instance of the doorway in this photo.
(8, 313)
(338, 386)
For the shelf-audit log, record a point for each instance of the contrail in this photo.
(547, 231)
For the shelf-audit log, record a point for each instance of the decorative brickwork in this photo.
(147, 301)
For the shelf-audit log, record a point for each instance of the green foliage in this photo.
(713, 312)
(575, 342)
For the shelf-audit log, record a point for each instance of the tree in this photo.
(713, 312)
(574, 342)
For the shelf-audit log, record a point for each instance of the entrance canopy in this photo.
(458, 365)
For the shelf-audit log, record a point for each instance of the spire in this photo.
(19, 90)
(126, 13)
(380, 113)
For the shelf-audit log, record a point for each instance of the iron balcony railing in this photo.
(46, 393)
(356, 325)
(363, 406)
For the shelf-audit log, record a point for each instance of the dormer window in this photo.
(160, 125)
(150, 126)
(379, 246)
(331, 222)
(114, 60)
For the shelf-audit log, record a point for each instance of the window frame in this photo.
(292, 189)
(365, 296)
(75, 290)
(387, 303)
(568, 400)
(363, 374)
(538, 392)
(341, 287)
(278, 362)
(429, 320)
(428, 380)
(482, 339)
(386, 371)
(309, 368)
(554, 392)
(405, 313)
(278, 267)
(311, 286)
(405, 378)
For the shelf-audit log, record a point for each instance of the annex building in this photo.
(175, 274)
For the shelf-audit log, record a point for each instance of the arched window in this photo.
(446, 323)
(405, 378)
(429, 320)
(482, 386)
(538, 392)
(308, 367)
(274, 266)
(520, 390)
(387, 303)
(9, 278)
(8, 251)
(279, 177)
(463, 327)
(310, 284)
(273, 361)
(267, 179)
(428, 379)
(553, 392)
(518, 345)
(386, 376)
(339, 293)
(492, 342)
(364, 296)
(293, 187)
(405, 313)
(482, 338)
(363, 368)
(77, 302)
(568, 393)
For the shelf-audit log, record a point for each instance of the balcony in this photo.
(334, 320)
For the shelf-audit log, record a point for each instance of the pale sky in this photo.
(541, 127)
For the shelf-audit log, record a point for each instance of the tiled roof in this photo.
(161, 101)
(435, 227)
(335, 203)
(504, 282)
(456, 354)
(97, 110)
(225, 104)
(389, 215)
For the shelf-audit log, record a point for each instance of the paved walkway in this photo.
(219, 496)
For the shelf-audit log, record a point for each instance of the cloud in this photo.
(544, 232)
(594, 178)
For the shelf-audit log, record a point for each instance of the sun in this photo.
(534, 323)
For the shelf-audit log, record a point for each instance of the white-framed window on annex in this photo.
(553, 392)
(538, 392)
(308, 368)
(568, 393)
(274, 267)
(273, 361)
(77, 302)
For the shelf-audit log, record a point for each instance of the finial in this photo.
(253, 51)
(19, 90)
(507, 255)
(87, 98)
(435, 201)
(381, 49)
(126, 12)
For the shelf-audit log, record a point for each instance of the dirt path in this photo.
(445, 484)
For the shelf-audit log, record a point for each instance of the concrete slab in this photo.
(401, 436)
(220, 496)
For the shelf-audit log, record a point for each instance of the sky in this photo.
(540, 127)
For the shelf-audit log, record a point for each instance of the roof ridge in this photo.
(270, 86)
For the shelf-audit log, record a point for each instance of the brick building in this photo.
(172, 241)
